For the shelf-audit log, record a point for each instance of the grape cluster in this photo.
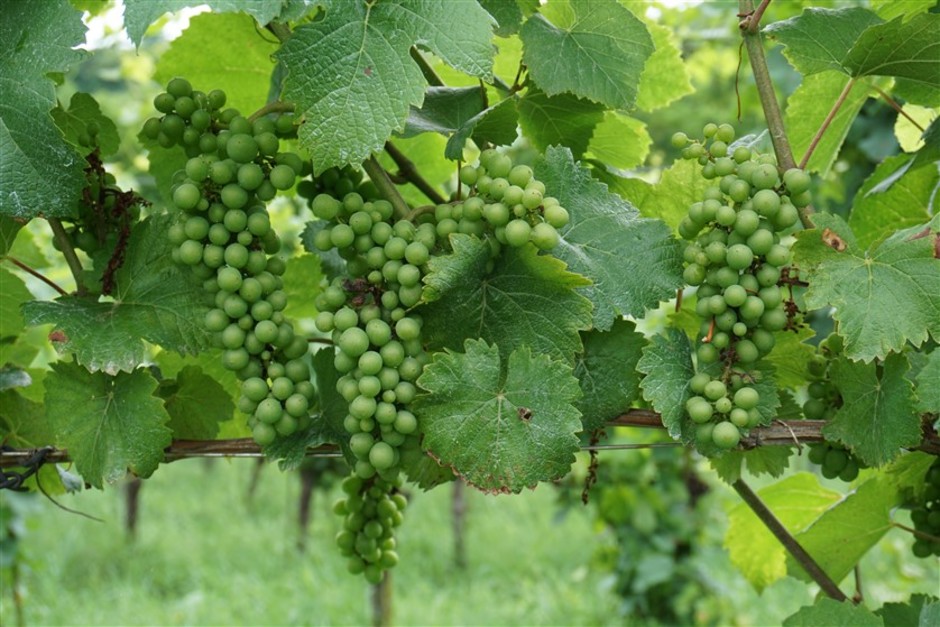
(337, 182)
(734, 257)
(823, 402)
(926, 515)
(370, 314)
(224, 234)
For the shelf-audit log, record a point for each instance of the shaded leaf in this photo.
(197, 404)
(832, 613)
(502, 428)
(667, 364)
(496, 125)
(15, 293)
(563, 119)
(928, 385)
(607, 373)
(620, 141)
(763, 460)
(73, 122)
(908, 49)
(820, 39)
(665, 76)
(139, 14)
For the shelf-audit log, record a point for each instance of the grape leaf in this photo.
(928, 385)
(527, 300)
(164, 163)
(108, 424)
(679, 186)
(832, 613)
(9, 228)
(607, 372)
(333, 407)
(632, 261)
(820, 39)
(156, 300)
(204, 54)
(909, 126)
(890, 9)
(877, 213)
(501, 427)
(196, 403)
(909, 614)
(360, 89)
(507, 14)
(41, 172)
(790, 357)
(15, 294)
(883, 298)
(620, 141)
(848, 529)
(139, 14)
(667, 364)
(763, 460)
(73, 122)
(908, 49)
(877, 416)
(593, 49)
(796, 501)
(809, 106)
(423, 470)
(665, 77)
(468, 258)
(302, 285)
(496, 124)
(564, 120)
(23, 422)
(444, 110)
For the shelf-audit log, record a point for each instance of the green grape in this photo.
(725, 435)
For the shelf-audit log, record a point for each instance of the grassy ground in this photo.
(204, 556)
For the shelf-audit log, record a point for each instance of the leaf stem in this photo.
(280, 30)
(915, 532)
(278, 106)
(825, 124)
(894, 105)
(407, 169)
(385, 186)
(22, 266)
(429, 74)
(68, 251)
(788, 541)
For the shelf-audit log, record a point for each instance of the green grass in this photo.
(204, 556)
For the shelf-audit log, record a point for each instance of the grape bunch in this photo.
(926, 515)
(734, 258)
(337, 182)
(224, 234)
(374, 324)
(823, 402)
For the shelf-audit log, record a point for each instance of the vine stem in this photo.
(277, 106)
(68, 251)
(825, 125)
(385, 186)
(915, 532)
(407, 169)
(22, 266)
(750, 32)
(429, 74)
(788, 541)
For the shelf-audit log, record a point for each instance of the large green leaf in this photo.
(848, 529)
(204, 54)
(594, 49)
(563, 119)
(883, 298)
(41, 172)
(156, 301)
(809, 106)
(820, 39)
(878, 212)
(495, 124)
(139, 14)
(791, 356)
(906, 49)
(665, 76)
(507, 14)
(763, 460)
(502, 428)
(633, 262)
(877, 416)
(910, 614)
(302, 282)
(197, 404)
(667, 364)
(607, 372)
(668, 199)
(108, 424)
(527, 300)
(620, 141)
(928, 385)
(796, 502)
(14, 295)
(832, 613)
(353, 78)
(444, 110)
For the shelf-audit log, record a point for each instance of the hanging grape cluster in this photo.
(224, 234)
(734, 257)
(371, 316)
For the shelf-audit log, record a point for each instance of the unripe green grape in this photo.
(707, 353)
(725, 133)
(518, 233)
(723, 405)
(765, 176)
(370, 362)
(325, 207)
(746, 351)
(196, 228)
(679, 140)
(190, 252)
(725, 435)
(760, 242)
(544, 236)
(746, 222)
(186, 196)
(735, 295)
(556, 215)
(739, 256)
(353, 341)
(726, 215)
(235, 359)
